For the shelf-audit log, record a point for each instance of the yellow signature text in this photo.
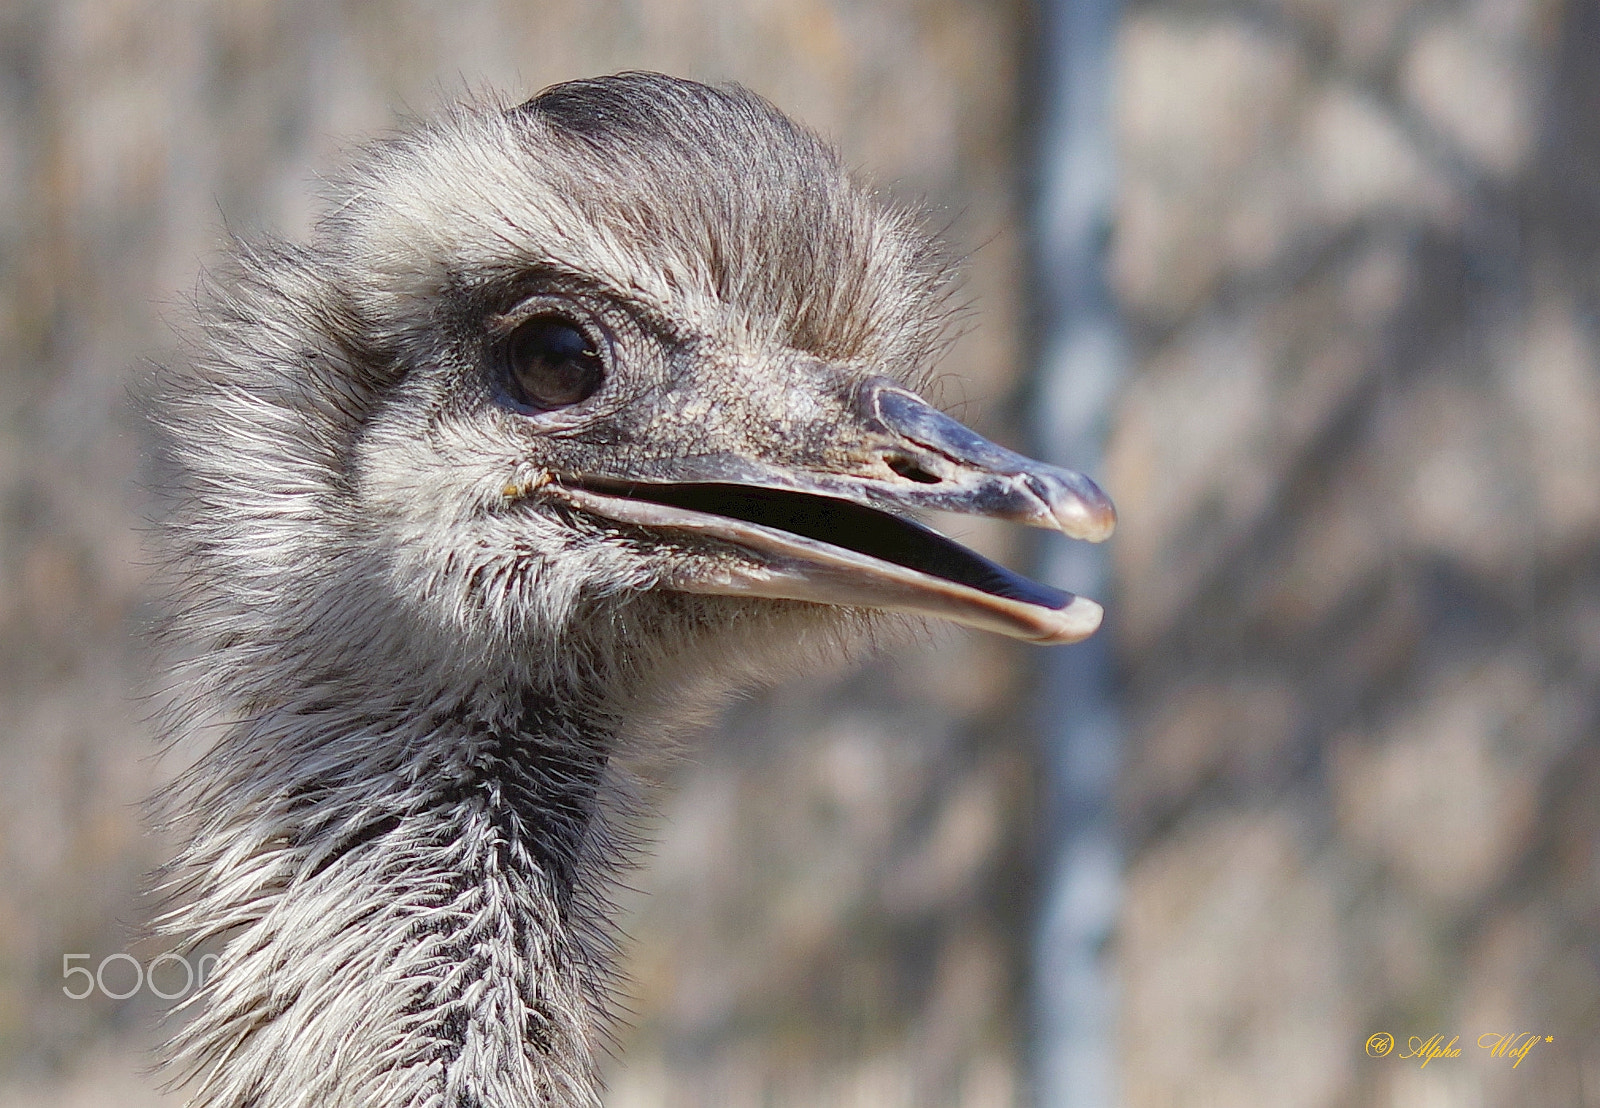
(1433, 1048)
(1422, 1051)
(1511, 1046)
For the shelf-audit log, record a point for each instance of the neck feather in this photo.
(407, 913)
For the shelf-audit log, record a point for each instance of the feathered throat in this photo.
(439, 893)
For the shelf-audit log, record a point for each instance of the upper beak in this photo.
(967, 473)
(842, 534)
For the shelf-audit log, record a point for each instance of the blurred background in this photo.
(1329, 274)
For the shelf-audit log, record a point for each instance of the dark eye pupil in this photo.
(551, 364)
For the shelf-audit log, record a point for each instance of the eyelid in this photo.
(500, 326)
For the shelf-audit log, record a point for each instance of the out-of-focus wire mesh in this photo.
(1359, 572)
(1357, 581)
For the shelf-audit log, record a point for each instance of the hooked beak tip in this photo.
(998, 481)
(1076, 504)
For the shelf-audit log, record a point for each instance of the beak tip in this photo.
(1087, 514)
(1074, 623)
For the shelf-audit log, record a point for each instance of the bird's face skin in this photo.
(706, 466)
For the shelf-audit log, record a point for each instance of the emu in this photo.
(568, 417)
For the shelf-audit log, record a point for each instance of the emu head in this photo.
(625, 370)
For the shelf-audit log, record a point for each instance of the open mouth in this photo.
(853, 527)
(825, 549)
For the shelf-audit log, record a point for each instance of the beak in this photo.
(842, 534)
(971, 475)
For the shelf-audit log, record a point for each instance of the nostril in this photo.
(910, 470)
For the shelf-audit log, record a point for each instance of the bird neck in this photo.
(407, 912)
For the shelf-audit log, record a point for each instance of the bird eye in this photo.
(551, 363)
